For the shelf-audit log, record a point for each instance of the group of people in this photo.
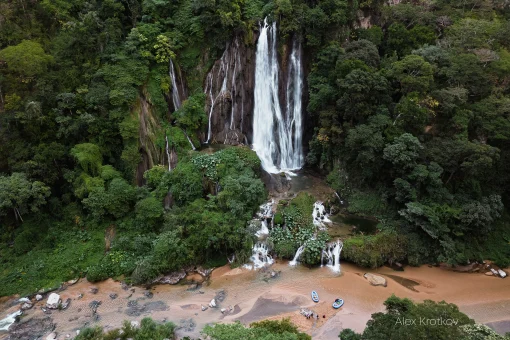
(310, 314)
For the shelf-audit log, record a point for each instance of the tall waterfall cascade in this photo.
(277, 132)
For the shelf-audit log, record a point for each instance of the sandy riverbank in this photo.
(253, 297)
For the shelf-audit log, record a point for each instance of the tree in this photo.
(20, 195)
(413, 73)
(241, 194)
(363, 50)
(27, 59)
(89, 157)
(362, 93)
(265, 330)
(191, 115)
(427, 316)
(115, 200)
(403, 152)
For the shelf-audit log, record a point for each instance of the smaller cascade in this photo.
(294, 262)
(260, 251)
(189, 140)
(263, 232)
(176, 100)
(260, 256)
(266, 210)
(339, 199)
(167, 148)
(332, 254)
(319, 215)
(9, 320)
(176, 96)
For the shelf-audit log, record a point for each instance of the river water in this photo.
(254, 295)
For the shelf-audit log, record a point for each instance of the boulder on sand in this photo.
(172, 278)
(375, 280)
(53, 301)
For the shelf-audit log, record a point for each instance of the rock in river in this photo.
(53, 301)
(375, 280)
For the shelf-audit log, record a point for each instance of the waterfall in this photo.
(167, 148)
(260, 256)
(260, 251)
(294, 116)
(176, 97)
(8, 321)
(332, 253)
(189, 140)
(277, 135)
(223, 76)
(263, 232)
(296, 257)
(339, 199)
(176, 100)
(319, 215)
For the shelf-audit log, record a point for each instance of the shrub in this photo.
(25, 241)
(148, 330)
(374, 250)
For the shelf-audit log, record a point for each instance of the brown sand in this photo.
(486, 299)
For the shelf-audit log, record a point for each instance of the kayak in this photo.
(338, 303)
(315, 296)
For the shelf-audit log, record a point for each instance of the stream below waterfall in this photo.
(256, 295)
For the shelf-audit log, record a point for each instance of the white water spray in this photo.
(263, 232)
(294, 262)
(277, 136)
(8, 321)
(260, 251)
(260, 256)
(319, 215)
(176, 97)
(332, 253)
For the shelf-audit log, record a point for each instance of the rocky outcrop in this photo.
(375, 280)
(172, 278)
(31, 328)
(53, 301)
(276, 183)
(229, 90)
(151, 153)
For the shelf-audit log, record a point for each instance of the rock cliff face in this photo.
(151, 154)
(229, 90)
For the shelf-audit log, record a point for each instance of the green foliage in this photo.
(241, 194)
(27, 58)
(148, 330)
(191, 115)
(185, 183)
(373, 251)
(89, 157)
(57, 253)
(20, 196)
(264, 330)
(115, 200)
(390, 324)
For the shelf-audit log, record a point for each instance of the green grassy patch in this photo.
(60, 256)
